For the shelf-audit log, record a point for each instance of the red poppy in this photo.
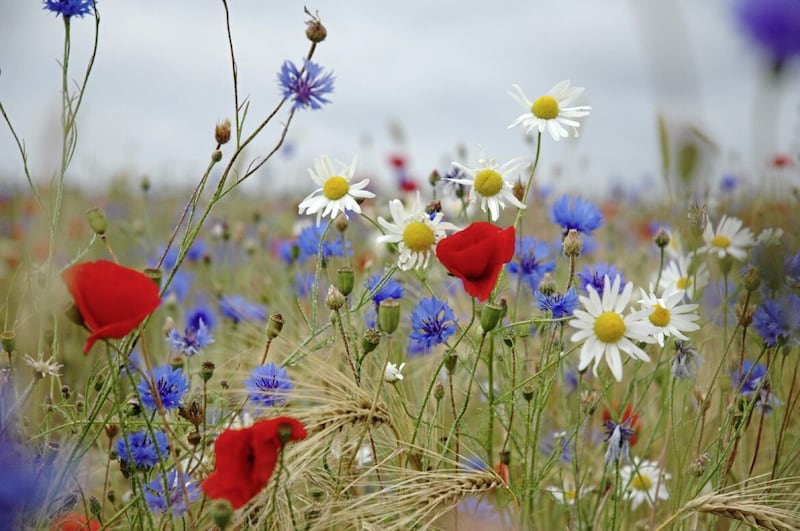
(476, 255)
(628, 414)
(245, 459)
(75, 522)
(111, 299)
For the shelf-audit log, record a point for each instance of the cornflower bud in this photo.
(572, 243)
(315, 31)
(547, 285)
(662, 238)
(207, 370)
(222, 132)
(334, 300)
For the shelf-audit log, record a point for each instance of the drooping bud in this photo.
(388, 315)
(97, 220)
(434, 178)
(345, 280)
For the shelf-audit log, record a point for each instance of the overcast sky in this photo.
(439, 69)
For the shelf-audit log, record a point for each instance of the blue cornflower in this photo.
(308, 244)
(192, 341)
(558, 304)
(576, 213)
(749, 379)
(159, 501)
(204, 313)
(238, 308)
(777, 321)
(179, 287)
(557, 442)
(392, 289)
(728, 183)
(137, 449)
(685, 362)
(432, 322)
(306, 88)
(619, 438)
(774, 25)
(593, 276)
(171, 385)
(24, 481)
(268, 385)
(287, 250)
(792, 269)
(69, 8)
(532, 261)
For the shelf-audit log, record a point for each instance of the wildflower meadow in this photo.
(471, 350)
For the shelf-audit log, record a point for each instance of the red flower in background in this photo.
(476, 255)
(245, 459)
(75, 522)
(111, 299)
(627, 414)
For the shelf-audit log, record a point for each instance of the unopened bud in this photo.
(94, 505)
(450, 363)
(315, 31)
(222, 513)
(145, 184)
(97, 220)
(335, 300)
(434, 178)
(698, 466)
(371, 340)
(572, 243)
(216, 155)
(222, 132)
(388, 315)
(207, 370)
(341, 223)
(9, 338)
(527, 392)
(438, 391)
(547, 286)
(194, 438)
(434, 207)
(345, 280)
(751, 279)
(662, 238)
(275, 325)
(491, 313)
(112, 430)
(177, 362)
(518, 190)
(745, 315)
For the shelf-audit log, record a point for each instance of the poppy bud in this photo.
(528, 392)
(275, 325)
(572, 243)
(97, 220)
(222, 132)
(9, 340)
(222, 513)
(450, 363)
(111, 496)
(94, 505)
(388, 315)
(335, 300)
(438, 391)
(371, 340)
(345, 279)
(491, 313)
(662, 238)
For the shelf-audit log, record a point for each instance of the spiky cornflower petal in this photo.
(550, 112)
(685, 362)
(171, 385)
(618, 437)
(594, 276)
(192, 341)
(139, 450)
(268, 385)
(70, 8)
(336, 192)
(415, 232)
(576, 213)
(559, 305)
(777, 321)
(308, 245)
(238, 308)
(391, 289)
(160, 502)
(306, 88)
(531, 261)
(432, 322)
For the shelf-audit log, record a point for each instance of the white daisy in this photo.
(668, 316)
(393, 373)
(42, 368)
(605, 330)
(644, 482)
(681, 275)
(415, 232)
(729, 239)
(336, 193)
(567, 496)
(550, 111)
(489, 183)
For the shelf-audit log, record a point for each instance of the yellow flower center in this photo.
(570, 495)
(640, 482)
(609, 327)
(488, 183)
(545, 107)
(335, 188)
(418, 236)
(660, 316)
(683, 283)
(720, 241)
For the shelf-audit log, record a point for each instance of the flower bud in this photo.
(698, 466)
(145, 184)
(527, 392)
(154, 274)
(177, 362)
(65, 392)
(751, 279)
(438, 391)
(341, 223)
(518, 190)
(97, 220)
(8, 339)
(662, 238)
(572, 243)
(434, 207)
(207, 370)
(745, 315)
(315, 31)
(112, 430)
(371, 340)
(345, 280)
(222, 132)
(216, 155)
(450, 363)
(94, 506)
(275, 325)
(194, 438)
(434, 178)
(222, 513)
(388, 315)
(335, 300)
(491, 313)
(547, 285)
